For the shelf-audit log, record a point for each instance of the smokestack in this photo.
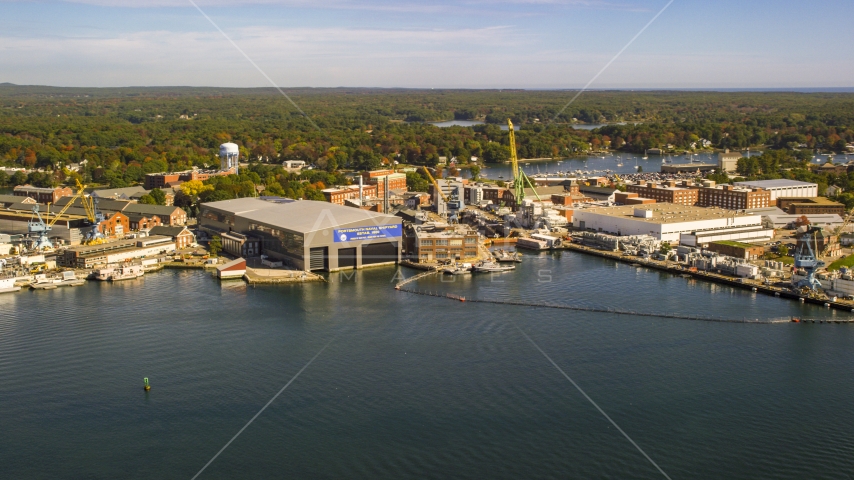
(361, 197)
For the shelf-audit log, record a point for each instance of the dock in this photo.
(710, 277)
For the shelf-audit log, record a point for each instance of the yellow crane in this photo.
(519, 177)
(41, 227)
(435, 184)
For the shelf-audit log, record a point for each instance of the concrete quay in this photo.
(717, 278)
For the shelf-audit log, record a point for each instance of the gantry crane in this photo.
(519, 177)
(41, 227)
(95, 217)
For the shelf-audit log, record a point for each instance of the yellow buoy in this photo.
(147, 387)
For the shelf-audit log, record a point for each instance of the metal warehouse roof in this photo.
(302, 216)
(781, 182)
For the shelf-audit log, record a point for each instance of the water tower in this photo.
(228, 154)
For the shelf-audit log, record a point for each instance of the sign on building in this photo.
(367, 233)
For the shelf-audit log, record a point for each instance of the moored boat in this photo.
(458, 269)
(492, 267)
(7, 285)
(127, 273)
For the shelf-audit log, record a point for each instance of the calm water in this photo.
(420, 387)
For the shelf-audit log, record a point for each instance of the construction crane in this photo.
(94, 235)
(40, 228)
(519, 177)
(438, 189)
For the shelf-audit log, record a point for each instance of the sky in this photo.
(551, 44)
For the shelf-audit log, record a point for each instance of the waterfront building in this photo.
(309, 235)
(432, 242)
(685, 224)
(737, 249)
(233, 269)
(783, 188)
(89, 256)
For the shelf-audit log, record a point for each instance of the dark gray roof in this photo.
(26, 207)
(105, 204)
(598, 191)
(117, 192)
(11, 198)
(145, 209)
(781, 182)
(167, 231)
(302, 216)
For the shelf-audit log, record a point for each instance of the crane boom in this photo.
(519, 177)
(435, 184)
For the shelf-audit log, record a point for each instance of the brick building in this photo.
(338, 195)
(115, 225)
(182, 236)
(810, 206)
(737, 249)
(160, 180)
(42, 195)
(141, 222)
(667, 192)
(450, 242)
(733, 198)
(396, 181)
(630, 198)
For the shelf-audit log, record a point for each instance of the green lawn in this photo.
(842, 262)
(731, 243)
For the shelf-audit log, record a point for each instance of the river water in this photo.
(421, 387)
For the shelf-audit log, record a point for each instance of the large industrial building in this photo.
(783, 188)
(308, 235)
(688, 225)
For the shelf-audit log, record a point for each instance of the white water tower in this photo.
(228, 155)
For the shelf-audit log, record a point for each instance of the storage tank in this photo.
(228, 156)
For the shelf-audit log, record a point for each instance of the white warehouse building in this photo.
(668, 222)
(782, 188)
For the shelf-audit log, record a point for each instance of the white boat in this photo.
(492, 267)
(7, 285)
(504, 256)
(127, 273)
(458, 269)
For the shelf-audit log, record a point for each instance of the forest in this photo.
(114, 136)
